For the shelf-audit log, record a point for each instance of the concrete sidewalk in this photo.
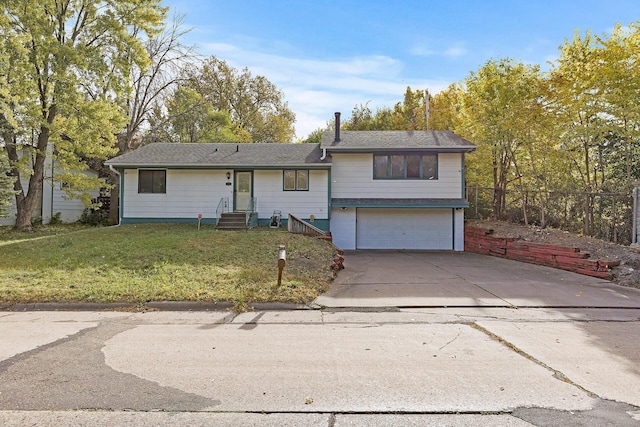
(462, 279)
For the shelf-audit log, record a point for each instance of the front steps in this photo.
(234, 221)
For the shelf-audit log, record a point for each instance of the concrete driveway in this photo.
(461, 279)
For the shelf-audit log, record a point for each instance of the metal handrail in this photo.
(251, 208)
(223, 206)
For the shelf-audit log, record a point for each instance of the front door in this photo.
(242, 190)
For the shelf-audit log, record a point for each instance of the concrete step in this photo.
(233, 221)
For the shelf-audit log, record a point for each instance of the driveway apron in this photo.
(460, 279)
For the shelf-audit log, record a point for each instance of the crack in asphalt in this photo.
(604, 413)
(452, 340)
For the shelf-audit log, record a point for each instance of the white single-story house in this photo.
(371, 189)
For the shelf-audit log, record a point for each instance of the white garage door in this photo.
(383, 228)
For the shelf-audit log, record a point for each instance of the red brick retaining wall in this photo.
(481, 241)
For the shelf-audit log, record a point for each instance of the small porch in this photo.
(239, 219)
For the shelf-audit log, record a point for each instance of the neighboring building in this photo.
(53, 200)
(371, 189)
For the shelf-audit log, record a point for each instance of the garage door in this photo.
(404, 229)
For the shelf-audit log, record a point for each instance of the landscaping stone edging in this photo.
(481, 241)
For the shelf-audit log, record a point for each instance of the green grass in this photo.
(160, 262)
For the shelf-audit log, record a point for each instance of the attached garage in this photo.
(396, 189)
(395, 228)
(418, 224)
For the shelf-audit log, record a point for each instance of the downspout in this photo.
(329, 199)
(324, 154)
(120, 195)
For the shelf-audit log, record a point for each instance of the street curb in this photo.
(153, 306)
(188, 305)
(278, 306)
(71, 306)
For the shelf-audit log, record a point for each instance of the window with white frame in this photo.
(152, 181)
(405, 166)
(296, 180)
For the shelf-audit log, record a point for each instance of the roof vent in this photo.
(337, 138)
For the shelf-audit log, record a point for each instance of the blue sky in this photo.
(329, 56)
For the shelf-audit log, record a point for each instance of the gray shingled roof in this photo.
(368, 141)
(217, 155)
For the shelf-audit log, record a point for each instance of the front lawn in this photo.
(160, 262)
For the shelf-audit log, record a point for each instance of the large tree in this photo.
(498, 106)
(619, 78)
(256, 106)
(149, 85)
(408, 114)
(445, 108)
(64, 76)
(186, 116)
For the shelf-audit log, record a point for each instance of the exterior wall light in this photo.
(228, 175)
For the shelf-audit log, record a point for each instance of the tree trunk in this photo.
(25, 213)
(26, 204)
(588, 207)
(525, 197)
(544, 202)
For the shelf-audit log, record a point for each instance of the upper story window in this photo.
(296, 180)
(152, 181)
(405, 166)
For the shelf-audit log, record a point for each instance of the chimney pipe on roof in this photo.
(337, 138)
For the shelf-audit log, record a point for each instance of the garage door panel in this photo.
(387, 228)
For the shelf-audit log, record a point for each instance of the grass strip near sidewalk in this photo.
(160, 262)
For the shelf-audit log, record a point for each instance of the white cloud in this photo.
(426, 49)
(455, 51)
(221, 47)
(316, 88)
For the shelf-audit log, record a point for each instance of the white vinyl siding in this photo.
(352, 177)
(269, 189)
(189, 192)
(393, 228)
(70, 209)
